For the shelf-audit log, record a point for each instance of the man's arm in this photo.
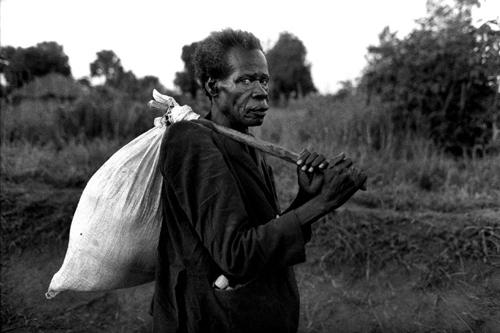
(316, 196)
(208, 193)
(310, 176)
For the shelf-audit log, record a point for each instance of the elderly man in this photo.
(226, 250)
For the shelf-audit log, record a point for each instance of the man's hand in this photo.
(310, 175)
(321, 190)
(310, 170)
(340, 183)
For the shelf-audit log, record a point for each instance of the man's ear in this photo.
(211, 86)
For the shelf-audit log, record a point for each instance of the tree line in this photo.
(290, 72)
(287, 59)
(440, 81)
(22, 65)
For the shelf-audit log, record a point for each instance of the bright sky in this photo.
(148, 35)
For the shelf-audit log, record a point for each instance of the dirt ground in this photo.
(346, 297)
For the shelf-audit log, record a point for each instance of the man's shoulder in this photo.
(188, 142)
(186, 127)
(192, 134)
(188, 131)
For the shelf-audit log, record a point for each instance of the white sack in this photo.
(115, 229)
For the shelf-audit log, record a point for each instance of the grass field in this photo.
(419, 251)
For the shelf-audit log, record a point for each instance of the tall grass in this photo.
(103, 113)
(404, 172)
(64, 142)
(424, 212)
(69, 166)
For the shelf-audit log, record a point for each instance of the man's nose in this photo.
(260, 91)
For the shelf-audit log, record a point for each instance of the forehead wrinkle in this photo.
(253, 57)
(254, 76)
(242, 62)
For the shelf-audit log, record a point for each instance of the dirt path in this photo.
(25, 279)
(387, 301)
(342, 288)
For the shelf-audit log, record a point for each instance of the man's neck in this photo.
(221, 119)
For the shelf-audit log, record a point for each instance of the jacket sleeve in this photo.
(208, 193)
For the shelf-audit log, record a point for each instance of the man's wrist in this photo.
(311, 211)
(303, 196)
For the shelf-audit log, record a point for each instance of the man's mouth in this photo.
(257, 112)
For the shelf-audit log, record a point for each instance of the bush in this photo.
(69, 166)
(440, 81)
(104, 113)
(409, 172)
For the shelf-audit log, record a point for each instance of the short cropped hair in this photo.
(210, 58)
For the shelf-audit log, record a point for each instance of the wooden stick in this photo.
(266, 147)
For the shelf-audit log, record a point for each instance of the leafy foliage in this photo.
(290, 74)
(102, 113)
(440, 80)
(186, 80)
(21, 65)
(108, 65)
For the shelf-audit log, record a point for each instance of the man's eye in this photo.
(264, 82)
(246, 82)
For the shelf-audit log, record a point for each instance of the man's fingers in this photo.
(363, 179)
(343, 164)
(319, 162)
(337, 159)
(304, 154)
(309, 160)
(316, 160)
(359, 178)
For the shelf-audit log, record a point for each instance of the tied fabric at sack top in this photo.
(114, 231)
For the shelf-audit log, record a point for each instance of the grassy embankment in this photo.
(419, 251)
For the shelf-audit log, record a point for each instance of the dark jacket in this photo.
(220, 217)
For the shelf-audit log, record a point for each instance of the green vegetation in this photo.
(289, 71)
(22, 65)
(424, 238)
(290, 74)
(419, 251)
(441, 80)
(186, 80)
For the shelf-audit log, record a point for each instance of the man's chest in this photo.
(253, 177)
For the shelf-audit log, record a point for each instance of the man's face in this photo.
(243, 95)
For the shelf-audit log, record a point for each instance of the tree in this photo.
(440, 80)
(290, 74)
(145, 87)
(109, 66)
(186, 80)
(21, 65)
(347, 89)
